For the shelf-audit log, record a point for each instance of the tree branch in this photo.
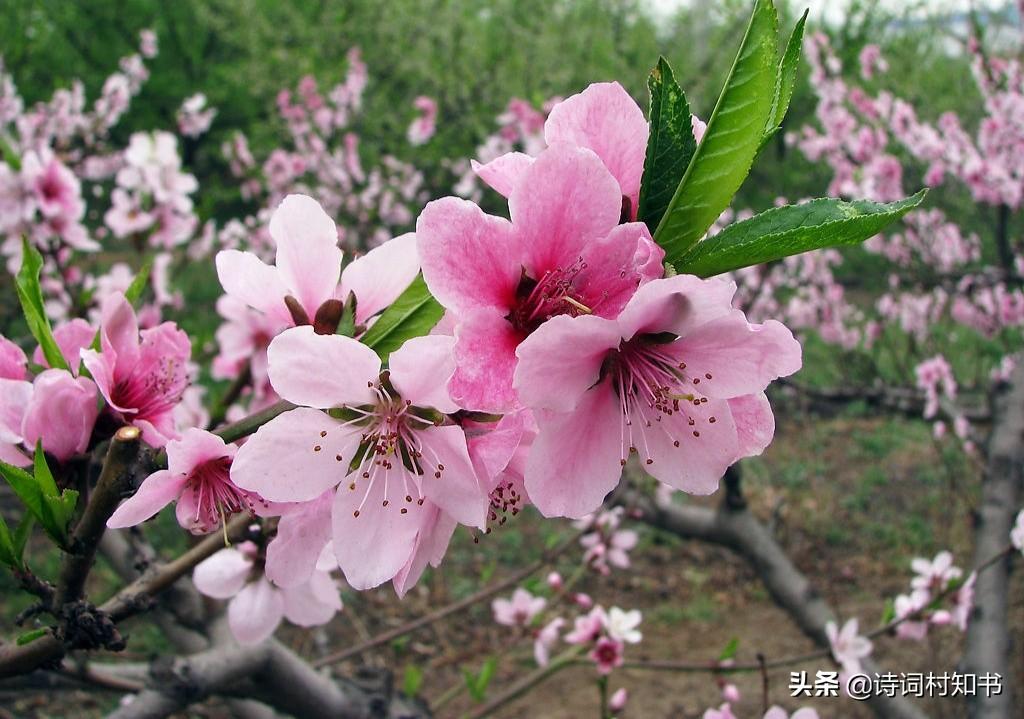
(988, 641)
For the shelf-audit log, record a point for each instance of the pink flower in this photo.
(308, 269)
(404, 467)
(197, 477)
(12, 360)
(964, 602)
(907, 605)
(308, 264)
(780, 713)
(302, 533)
(848, 647)
(563, 253)
(934, 575)
(71, 337)
(1017, 532)
(257, 606)
(588, 627)
(603, 119)
(15, 395)
(623, 625)
(61, 413)
(424, 126)
(607, 654)
(723, 712)
(519, 610)
(142, 375)
(678, 378)
(618, 700)
(546, 639)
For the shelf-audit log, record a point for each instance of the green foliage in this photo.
(786, 80)
(731, 141)
(413, 314)
(670, 147)
(477, 683)
(135, 289)
(412, 681)
(30, 636)
(38, 492)
(729, 652)
(791, 230)
(31, 297)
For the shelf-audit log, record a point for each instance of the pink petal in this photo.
(740, 357)
(492, 447)
(313, 603)
(281, 463)
(431, 545)
(12, 455)
(302, 534)
(676, 304)
(457, 492)
(566, 199)
(195, 447)
(503, 172)
(373, 547)
(381, 275)
(156, 492)
(605, 119)
(420, 370)
(574, 461)
(71, 337)
(15, 396)
(615, 266)
(222, 575)
(322, 370)
(120, 331)
(485, 359)
(468, 257)
(755, 423)
(698, 463)
(562, 359)
(308, 257)
(61, 413)
(12, 360)
(247, 278)
(255, 612)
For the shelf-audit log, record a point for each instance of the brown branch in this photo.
(110, 488)
(988, 640)
(479, 596)
(132, 599)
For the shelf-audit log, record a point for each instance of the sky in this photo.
(832, 11)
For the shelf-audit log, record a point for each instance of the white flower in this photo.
(623, 625)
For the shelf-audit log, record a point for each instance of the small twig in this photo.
(486, 593)
(230, 396)
(525, 683)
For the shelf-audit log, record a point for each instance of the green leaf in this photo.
(39, 495)
(477, 684)
(7, 153)
(786, 82)
(8, 552)
(134, 291)
(347, 324)
(730, 650)
(412, 681)
(31, 297)
(670, 147)
(43, 475)
(31, 636)
(21, 534)
(793, 229)
(889, 613)
(731, 141)
(413, 314)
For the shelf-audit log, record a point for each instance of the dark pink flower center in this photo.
(393, 448)
(554, 294)
(154, 391)
(652, 384)
(216, 496)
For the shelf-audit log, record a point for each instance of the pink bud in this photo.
(731, 693)
(942, 617)
(618, 700)
(555, 581)
(583, 600)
